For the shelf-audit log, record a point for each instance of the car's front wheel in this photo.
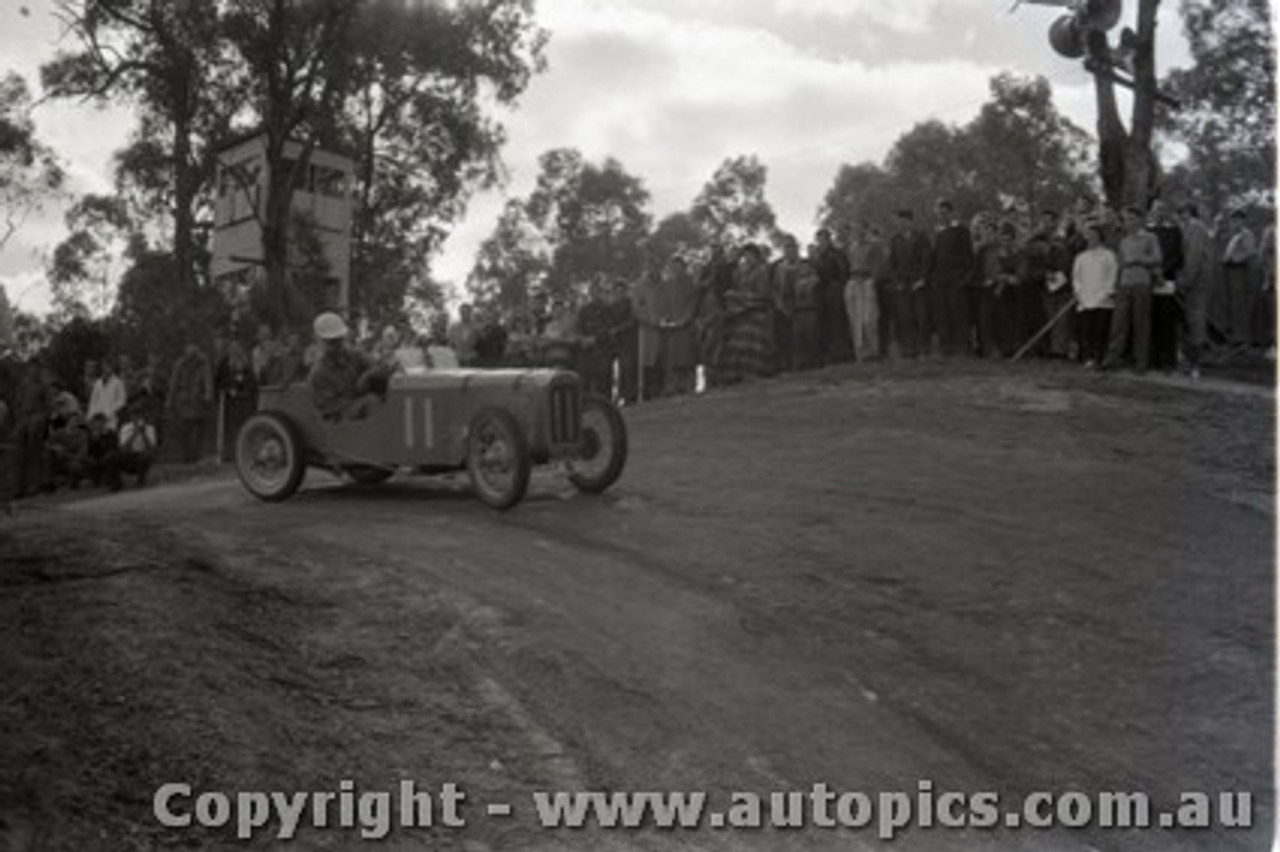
(602, 453)
(270, 457)
(498, 458)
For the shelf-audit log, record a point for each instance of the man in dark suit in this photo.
(950, 268)
(909, 258)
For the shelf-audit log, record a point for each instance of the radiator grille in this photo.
(564, 414)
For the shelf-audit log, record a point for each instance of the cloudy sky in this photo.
(671, 88)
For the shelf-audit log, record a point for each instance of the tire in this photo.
(604, 446)
(270, 457)
(498, 458)
(368, 474)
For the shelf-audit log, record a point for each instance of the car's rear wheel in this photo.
(603, 451)
(497, 458)
(270, 457)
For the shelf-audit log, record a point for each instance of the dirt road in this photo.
(992, 579)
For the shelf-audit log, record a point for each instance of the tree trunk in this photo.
(1140, 171)
(1126, 160)
(184, 190)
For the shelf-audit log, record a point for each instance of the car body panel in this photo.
(423, 420)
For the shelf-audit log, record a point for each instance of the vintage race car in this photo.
(495, 424)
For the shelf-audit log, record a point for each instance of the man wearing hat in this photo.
(343, 381)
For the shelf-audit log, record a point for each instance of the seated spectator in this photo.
(63, 406)
(137, 449)
(265, 352)
(101, 451)
(67, 452)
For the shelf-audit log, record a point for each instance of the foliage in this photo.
(165, 60)
(401, 87)
(72, 344)
(404, 88)
(732, 206)
(1018, 151)
(510, 265)
(29, 171)
(157, 312)
(582, 222)
(80, 265)
(1227, 120)
(592, 217)
(677, 233)
(1021, 147)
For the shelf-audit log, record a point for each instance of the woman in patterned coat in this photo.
(748, 347)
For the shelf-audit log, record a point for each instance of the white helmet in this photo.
(329, 326)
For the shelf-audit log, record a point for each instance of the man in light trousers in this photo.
(866, 261)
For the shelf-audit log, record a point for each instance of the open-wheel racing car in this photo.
(495, 424)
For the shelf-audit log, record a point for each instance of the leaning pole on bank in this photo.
(1026, 347)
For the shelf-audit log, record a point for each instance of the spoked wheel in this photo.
(269, 457)
(368, 474)
(603, 452)
(498, 458)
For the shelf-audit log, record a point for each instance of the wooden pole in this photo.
(1026, 347)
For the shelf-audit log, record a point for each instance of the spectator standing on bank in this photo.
(108, 396)
(622, 337)
(645, 307)
(597, 357)
(783, 278)
(463, 335)
(1141, 266)
(749, 320)
(950, 267)
(146, 398)
(866, 261)
(832, 266)
(806, 329)
(90, 378)
(1057, 284)
(236, 384)
(31, 421)
(1239, 262)
(1265, 314)
(190, 396)
(1093, 281)
(679, 304)
(265, 351)
(1194, 284)
(1164, 294)
(909, 254)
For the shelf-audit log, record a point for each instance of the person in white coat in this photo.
(1093, 278)
(108, 396)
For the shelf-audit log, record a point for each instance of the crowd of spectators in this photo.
(1143, 289)
(1139, 289)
